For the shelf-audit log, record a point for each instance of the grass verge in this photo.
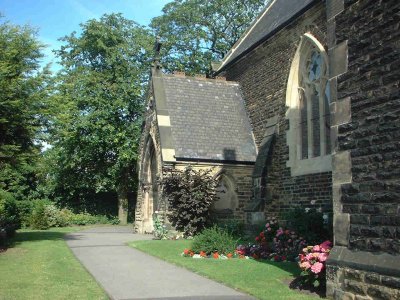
(39, 265)
(262, 279)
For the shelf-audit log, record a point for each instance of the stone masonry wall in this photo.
(373, 136)
(364, 42)
(263, 76)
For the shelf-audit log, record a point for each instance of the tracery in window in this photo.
(314, 121)
(308, 101)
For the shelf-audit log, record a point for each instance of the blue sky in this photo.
(57, 18)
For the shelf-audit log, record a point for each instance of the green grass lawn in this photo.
(39, 265)
(262, 279)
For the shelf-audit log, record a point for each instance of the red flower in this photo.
(283, 257)
(229, 255)
(186, 251)
(262, 234)
(203, 254)
(276, 258)
(240, 252)
(257, 238)
(216, 255)
(255, 256)
(191, 253)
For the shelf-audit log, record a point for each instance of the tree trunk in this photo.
(123, 206)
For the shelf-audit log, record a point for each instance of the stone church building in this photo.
(304, 111)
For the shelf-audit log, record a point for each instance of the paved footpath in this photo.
(126, 273)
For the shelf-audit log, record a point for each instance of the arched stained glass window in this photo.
(308, 99)
(313, 91)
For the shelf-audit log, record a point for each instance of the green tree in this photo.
(196, 32)
(23, 90)
(97, 106)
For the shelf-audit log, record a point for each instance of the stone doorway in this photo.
(151, 191)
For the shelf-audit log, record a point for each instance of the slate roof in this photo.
(274, 17)
(208, 119)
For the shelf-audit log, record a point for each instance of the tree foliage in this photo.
(97, 106)
(23, 88)
(197, 32)
(190, 194)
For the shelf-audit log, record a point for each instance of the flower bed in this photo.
(214, 255)
(313, 264)
(273, 243)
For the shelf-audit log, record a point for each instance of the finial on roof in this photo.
(157, 48)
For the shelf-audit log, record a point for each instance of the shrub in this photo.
(287, 245)
(310, 223)
(312, 262)
(160, 230)
(25, 209)
(212, 240)
(83, 219)
(57, 217)
(190, 194)
(233, 226)
(277, 243)
(9, 218)
(114, 220)
(39, 218)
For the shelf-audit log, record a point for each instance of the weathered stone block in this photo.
(355, 287)
(341, 225)
(338, 60)
(334, 7)
(391, 282)
(381, 293)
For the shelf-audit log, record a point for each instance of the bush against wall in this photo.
(190, 194)
(312, 224)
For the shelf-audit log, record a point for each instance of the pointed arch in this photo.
(150, 188)
(308, 100)
(226, 192)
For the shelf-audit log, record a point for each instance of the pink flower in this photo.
(305, 265)
(309, 256)
(326, 246)
(322, 257)
(317, 268)
(267, 225)
(316, 248)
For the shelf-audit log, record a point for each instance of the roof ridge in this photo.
(245, 34)
(200, 77)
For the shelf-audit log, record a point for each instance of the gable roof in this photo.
(274, 17)
(208, 120)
